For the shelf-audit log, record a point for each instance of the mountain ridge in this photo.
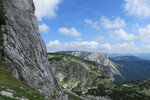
(141, 55)
(133, 68)
(104, 89)
(73, 65)
(120, 73)
(93, 56)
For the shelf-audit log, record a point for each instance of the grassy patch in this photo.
(20, 90)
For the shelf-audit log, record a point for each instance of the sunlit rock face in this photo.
(23, 49)
(95, 57)
(77, 74)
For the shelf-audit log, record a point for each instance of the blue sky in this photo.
(106, 26)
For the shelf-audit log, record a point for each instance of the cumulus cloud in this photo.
(116, 23)
(118, 48)
(53, 43)
(105, 46)
(54, 46)
(43, 28)
(69, 31)
(145, 33)
(123, 35)
(46, 8)
(94, 25)
(139, 8)
(106, 23)
(125, 48)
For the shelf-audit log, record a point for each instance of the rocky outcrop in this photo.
(95, 57)
(23, 50)
(91, 56)
(78, 74)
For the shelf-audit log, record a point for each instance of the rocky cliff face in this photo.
(22, 48)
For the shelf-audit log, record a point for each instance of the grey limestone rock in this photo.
(96, 57)
(23, 49)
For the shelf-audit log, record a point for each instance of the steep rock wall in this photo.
(22, 48)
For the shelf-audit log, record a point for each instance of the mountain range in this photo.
(132, 68)
(103, 82)
(28, 72)
(140, 55)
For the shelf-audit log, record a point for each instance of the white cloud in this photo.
(93, 46)
(95, 25)
(53, 43)
(43, 28)
(139, 8)
(116, 23)
(105, 23)
(118, 48)
(46, 8)
(53, 46)
(71, 31)
(145, 33)
(125, 48)
(106, 46)
(122, 35)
